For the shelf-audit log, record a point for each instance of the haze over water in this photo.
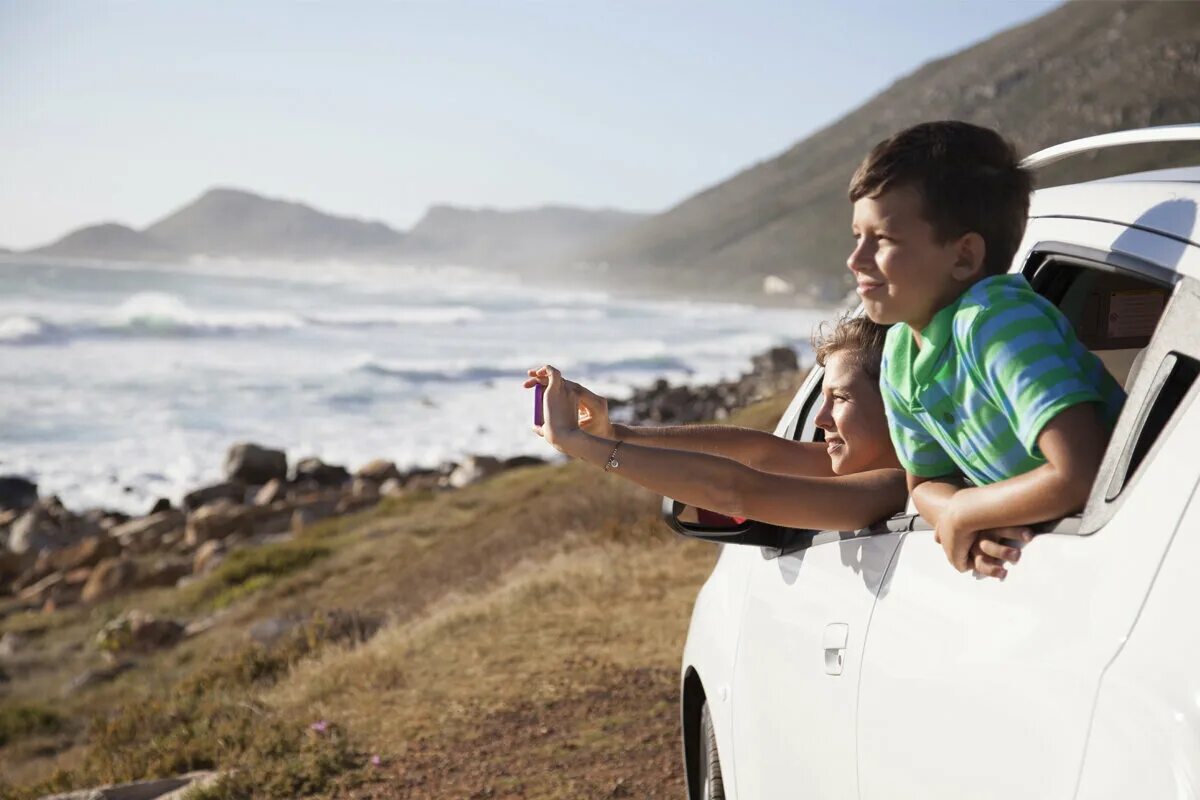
(124, 383)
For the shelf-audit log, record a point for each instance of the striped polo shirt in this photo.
(993, 368)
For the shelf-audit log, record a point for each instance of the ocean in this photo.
(124, 383)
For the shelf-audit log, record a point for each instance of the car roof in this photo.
(1163, 201)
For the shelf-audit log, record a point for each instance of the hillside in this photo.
(108, 240)
(231, 222)
(1084, 68)
(510, 238)
(489, 657)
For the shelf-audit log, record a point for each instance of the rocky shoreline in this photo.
(51, 557)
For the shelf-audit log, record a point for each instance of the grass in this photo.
(24, 720)
(540, 591)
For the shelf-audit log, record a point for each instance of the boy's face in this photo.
(903, 273)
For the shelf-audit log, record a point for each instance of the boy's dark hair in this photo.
(969, 179)
(857, 336)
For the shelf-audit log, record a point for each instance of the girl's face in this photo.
(851, 414)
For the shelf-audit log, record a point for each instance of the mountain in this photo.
(1082, 69)
(488, 237)
(231, 222)
(240, 224)
(108, 240)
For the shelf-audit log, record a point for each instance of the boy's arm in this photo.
(762, 451)
(1073, 443)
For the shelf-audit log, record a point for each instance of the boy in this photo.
(982, 378)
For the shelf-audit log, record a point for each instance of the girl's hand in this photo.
(593, 409)
(560, 407)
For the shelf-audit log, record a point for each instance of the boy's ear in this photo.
(969, 254)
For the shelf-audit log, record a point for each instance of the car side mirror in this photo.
(700, 523)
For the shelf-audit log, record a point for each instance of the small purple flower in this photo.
(320, 726)
(376, 761)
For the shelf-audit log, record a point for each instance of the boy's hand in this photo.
(994, 548)
(956, 540)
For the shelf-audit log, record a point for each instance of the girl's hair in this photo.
(858, 336)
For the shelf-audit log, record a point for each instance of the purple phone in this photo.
(538, 392)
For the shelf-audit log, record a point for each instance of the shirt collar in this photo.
(935, 338)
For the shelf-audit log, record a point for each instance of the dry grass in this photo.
(550, 596)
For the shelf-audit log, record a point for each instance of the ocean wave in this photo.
(159, 313)
(22, 329)
(510, 369)
(395, 316)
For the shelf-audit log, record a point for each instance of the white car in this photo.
(824, 664)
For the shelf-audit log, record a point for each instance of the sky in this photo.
(126, 110)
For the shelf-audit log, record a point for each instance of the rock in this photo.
(517, 462)
(145, 534)
(269, 631)
(11, 565)
(137, 631)
(272, 492)
(392, 487)
(36, 530)
(17, 492)
(419, 479)
(158, 789)
(775, 361)
(315, 469)
(307, 514)
(233, 491)
(255, 465)
(84, 553)
(208, 555)
(37, 593)
(353, 503)
(474, 470)
(217, 521)
(161, 504)
(92, 677)
(12, 643)
(164, 571)
(110, 576)
(364, 487)
(378, 470)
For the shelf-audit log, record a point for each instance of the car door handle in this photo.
(834, 642)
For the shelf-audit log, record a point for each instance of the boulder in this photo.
(392, 487)
(323, 474)
(36, 530)
(233, 491)
(17, 492)
(272, 492)
(352, 503)
(13, 643)
(364, 487)
(208, 555)
(218, 521)
(774, 362)
(147, 533)
(84, 553)
(165, 571)
(306, 513)
(108, 578)
(137, 631)
(517, 462)
(419, 479)
(161, 504)
(473, 470)
(378, 470)
(41, 591)
(255, 465)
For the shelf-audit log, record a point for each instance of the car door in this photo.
(978, 688)
(797, 660)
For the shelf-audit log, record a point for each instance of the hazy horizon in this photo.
(125, 112)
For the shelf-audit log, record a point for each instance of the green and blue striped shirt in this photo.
(993, 368)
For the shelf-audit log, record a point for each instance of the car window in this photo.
(807, 430)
